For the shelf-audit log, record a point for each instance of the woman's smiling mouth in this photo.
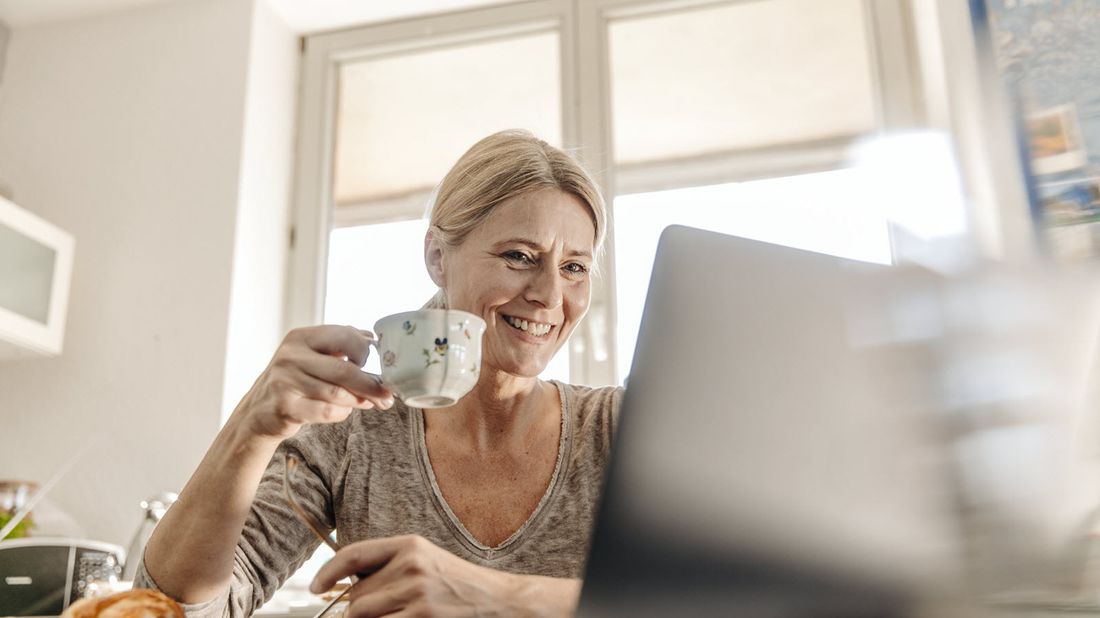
(538, 329)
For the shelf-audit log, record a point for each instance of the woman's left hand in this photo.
(411, 576)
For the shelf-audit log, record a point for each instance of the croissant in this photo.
(130, 604)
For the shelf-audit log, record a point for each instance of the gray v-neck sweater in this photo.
(369, 477)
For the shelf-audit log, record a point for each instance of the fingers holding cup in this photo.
(336, 372)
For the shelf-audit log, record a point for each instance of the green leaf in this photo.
(21, 529)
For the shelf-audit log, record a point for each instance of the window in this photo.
(761, 89)
(373, 271)
(813, 211)
(740, 120)
(740, 75)
(402, 119)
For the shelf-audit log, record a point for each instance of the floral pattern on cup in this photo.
(439, 350)
(447, 342)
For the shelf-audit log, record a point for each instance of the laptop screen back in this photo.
(774, 449)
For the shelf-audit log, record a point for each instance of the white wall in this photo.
(128, 131)
(259, 259)
(4, 35)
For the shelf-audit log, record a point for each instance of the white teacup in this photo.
(432, 357)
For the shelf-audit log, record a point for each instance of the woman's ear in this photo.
(433, 257)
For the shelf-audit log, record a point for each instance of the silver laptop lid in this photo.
(774, 451)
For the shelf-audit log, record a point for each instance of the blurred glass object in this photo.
(832, 436)
(155, 508)
(1018, 385)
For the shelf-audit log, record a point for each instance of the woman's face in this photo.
(529, 261)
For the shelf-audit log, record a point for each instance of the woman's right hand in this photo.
(314, 377)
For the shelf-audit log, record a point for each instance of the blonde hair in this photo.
(500, 167)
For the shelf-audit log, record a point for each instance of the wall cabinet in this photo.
(36, 261)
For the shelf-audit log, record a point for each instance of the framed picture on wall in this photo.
(1054, 138)
(1047, 54)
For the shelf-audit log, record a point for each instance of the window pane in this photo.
(742, 75)
(815, 211)
(404, 120)
(377, 270)
(374, 271)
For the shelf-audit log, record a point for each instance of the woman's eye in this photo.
(519, 256)
(576, 268)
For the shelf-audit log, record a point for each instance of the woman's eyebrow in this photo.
(537, 247)
(522, 241)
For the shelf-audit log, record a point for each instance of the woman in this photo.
(481, 508)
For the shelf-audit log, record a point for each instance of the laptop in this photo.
(774, 455)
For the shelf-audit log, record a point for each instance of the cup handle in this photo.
(381, 366)
(377, 350)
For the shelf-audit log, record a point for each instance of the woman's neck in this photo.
(500, 411)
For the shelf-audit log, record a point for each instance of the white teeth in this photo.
(534, 328)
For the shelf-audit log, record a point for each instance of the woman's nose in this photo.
(545, 289)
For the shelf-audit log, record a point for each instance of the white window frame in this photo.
(586, 130)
